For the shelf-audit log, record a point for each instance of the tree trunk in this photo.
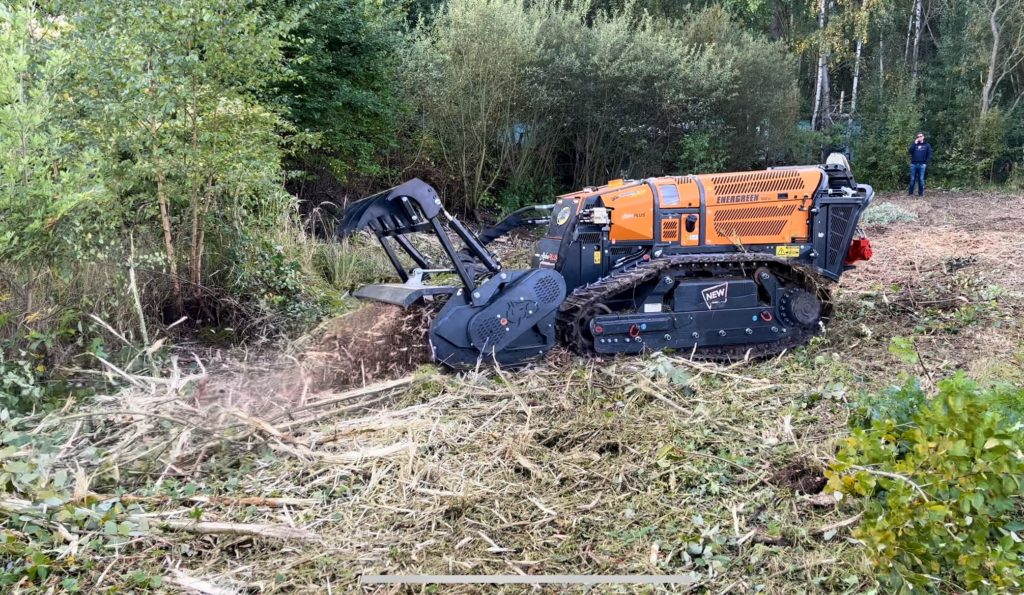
(165, 222)
(197, 267)
(918, 6)
(881, 65)
(821, 85)
(988, 90)
(856, 77)
(826, 99)
(910, 32)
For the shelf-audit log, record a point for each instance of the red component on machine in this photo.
(860, 249)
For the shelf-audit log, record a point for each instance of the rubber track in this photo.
(579, 301)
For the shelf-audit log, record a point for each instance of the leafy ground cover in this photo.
(274, 473)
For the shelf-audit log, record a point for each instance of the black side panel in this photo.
(834, 228)
(840, 227)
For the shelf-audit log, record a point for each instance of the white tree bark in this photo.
(881, 64)
(856, 75)
(821, 85)
(918, 7)
(910, 32)
(1006, 22)
(989, 88)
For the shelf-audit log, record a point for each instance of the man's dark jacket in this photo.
(920, 153)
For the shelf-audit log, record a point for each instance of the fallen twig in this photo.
(895, 476)
(218, 500)
(217, 528)
(838, 525)
(344, 457)
(191, 583)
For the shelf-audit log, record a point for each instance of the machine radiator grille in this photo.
(590, 237)
(744, 229)
(756, 182)
(547, 290)
(754, 212)
(670, 230)
(839, 219)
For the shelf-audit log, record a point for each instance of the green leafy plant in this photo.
(940, 487)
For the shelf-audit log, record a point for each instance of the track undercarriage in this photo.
(632, 311)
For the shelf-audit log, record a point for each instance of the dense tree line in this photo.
(155, 157)
(501, 102)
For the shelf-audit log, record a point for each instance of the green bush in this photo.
(341, 90)
(941, 486)
(701, 152)
(523, 191)
(275, 284)
(515, 93)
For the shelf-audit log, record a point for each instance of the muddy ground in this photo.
(654, 465)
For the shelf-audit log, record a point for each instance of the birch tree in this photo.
(1005, 20)
(821, 117)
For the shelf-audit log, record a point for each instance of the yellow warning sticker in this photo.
(597, 257)
(787, 251)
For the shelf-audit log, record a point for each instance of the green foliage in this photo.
(523, 191)
(50, 193)
(702, 152)
(897, 403)
(940, 481)
(342, 88)
(52, 536)
(758, 108)
(509, 91)
(880, 151)
(135, 136)
(20, 382)
(275, 281)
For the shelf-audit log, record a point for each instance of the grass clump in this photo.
(940, 486)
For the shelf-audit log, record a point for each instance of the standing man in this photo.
(920, 154)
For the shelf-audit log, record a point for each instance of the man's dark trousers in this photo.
(917, 171)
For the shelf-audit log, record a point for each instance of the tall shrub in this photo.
(170, 92)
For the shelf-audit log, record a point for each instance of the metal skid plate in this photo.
(401, 294)
(515, 325)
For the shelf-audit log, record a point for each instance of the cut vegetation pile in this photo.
(654, 465)
(375, 342)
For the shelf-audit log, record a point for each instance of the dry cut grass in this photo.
(272, 475)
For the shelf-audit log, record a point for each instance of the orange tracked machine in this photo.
(721, 266)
